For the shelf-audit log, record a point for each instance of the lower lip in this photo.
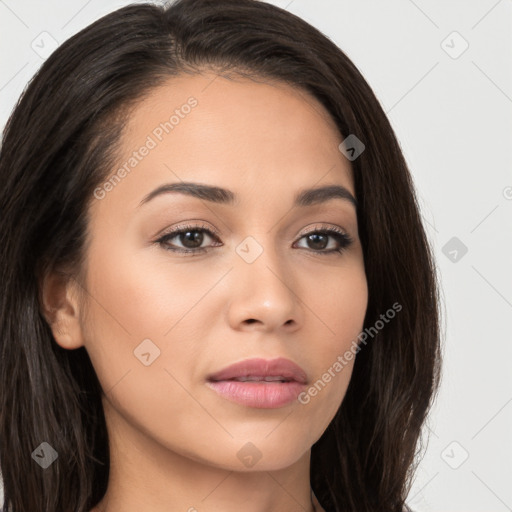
(261, 394)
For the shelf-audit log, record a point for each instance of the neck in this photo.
(146, 475)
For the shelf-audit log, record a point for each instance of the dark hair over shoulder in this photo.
(59, 144)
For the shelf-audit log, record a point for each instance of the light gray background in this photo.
(452, 114)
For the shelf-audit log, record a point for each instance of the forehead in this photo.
(255, 137)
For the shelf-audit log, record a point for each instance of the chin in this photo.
(264, 453)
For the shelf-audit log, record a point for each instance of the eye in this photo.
(192, 237)
(319, 240)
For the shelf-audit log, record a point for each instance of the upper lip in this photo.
(280, 367)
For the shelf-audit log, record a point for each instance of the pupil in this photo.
(314, 238)
(196, 239)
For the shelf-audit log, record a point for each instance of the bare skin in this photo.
(173, 440)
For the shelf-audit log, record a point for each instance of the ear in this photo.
(61, 308)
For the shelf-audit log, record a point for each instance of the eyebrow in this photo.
(306, 197)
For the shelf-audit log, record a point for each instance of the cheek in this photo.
(129, 302)
(137, 297)
(342, 300)
(144, 313)
(341, 305)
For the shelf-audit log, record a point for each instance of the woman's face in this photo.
(161, 322)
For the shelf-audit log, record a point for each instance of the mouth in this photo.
(256, 378)
(260, 383)
(280, 369)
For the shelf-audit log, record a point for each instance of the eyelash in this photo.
(344, 239)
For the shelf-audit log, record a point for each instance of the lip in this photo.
(260, 394)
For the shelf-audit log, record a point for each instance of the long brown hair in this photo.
(59, 144)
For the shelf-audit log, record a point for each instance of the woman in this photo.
(218, 292)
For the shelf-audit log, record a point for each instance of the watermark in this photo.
(45, 455)
(152, 141)
(343, 360)
(249, 454)
(44, 44)
(454, 45)
(352, 147)
(454, 249)
(249, 249)
(146, 352)
(455, 455)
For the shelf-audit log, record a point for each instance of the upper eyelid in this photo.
(191, 227)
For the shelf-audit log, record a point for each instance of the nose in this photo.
(263, 293)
